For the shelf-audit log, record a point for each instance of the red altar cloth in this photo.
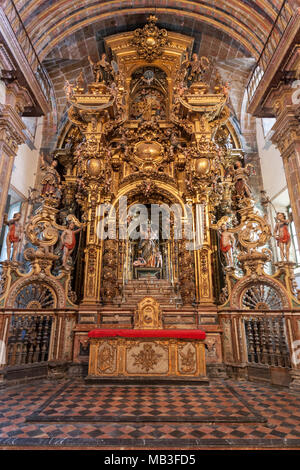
(183, 334)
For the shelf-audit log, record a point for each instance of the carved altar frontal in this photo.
(147, 350)
(149, 357)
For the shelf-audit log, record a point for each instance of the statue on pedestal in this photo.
(101, 69)
(240, 178)
(68, 241)
(227, 242)
(51, 179)
(14, 234)
(282, 236)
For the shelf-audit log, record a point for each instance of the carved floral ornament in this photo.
(150, 40)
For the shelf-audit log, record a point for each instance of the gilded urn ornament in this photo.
(150, 40)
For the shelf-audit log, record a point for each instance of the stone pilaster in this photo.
(11, 135)
(287, 138)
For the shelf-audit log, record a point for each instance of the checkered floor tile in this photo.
(230, 414)
(210, 403)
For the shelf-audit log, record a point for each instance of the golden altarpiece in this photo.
(152, 129)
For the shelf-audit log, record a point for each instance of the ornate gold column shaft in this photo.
(93, 251)
(203, 272)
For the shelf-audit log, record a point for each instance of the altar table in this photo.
(146, 353)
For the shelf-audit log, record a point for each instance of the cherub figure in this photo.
(282, 236)
(80, 83)
(68, 241)
(227, 242)
(68, 88)
(158, 258)
(13, 237)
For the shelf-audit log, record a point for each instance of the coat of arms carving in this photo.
(150, 40)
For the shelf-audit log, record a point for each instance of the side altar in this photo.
(147, 350)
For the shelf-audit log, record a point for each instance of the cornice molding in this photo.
(16, 51)
(285, 44)
(11, 129)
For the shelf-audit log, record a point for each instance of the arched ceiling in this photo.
(48, 23)
(65, 32)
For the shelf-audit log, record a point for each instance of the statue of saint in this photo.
(51, 179)
(282, 236)
(227, 242)
(68, 241)
(101, 69)
(148, 249)
(240, 178)
(196, 68)
(13, 237)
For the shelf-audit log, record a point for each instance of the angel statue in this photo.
(68, 239)
(282, 235)
(14, 234)
(227, 242)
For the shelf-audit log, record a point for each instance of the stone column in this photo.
(11, 135)
(287, 138)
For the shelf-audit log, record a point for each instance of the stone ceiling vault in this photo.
(65, 32)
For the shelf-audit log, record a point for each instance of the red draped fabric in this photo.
(183, 334)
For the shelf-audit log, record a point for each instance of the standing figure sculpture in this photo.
(147, 248)
(68, 241)
(51, 179)
(196, 68)
(282, 236)
(101, 69)
(240, 178)
(13, 237)
(227, 242)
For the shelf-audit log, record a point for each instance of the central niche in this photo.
(148, 94)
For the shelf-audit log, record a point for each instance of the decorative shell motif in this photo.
(150, 40)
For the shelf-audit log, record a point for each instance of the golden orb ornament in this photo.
(94, 167)
(148, 150)
(202, 166)
(150, 41)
